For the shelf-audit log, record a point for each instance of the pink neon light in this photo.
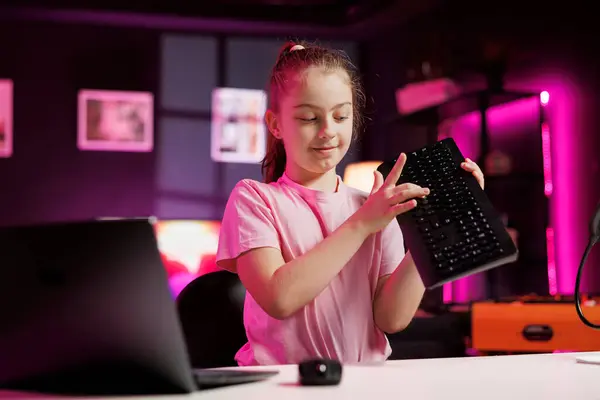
(503, 120)
(447, 293)
(566, 219)
(544, 97)
(568, 140)
(552, 283)
(569, 227)
(547, 156)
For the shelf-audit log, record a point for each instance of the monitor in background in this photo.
(188, 248)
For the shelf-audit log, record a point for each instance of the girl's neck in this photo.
(327, 182)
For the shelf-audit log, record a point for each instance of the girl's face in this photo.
(315, 121)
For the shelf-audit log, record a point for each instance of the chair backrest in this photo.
(211, 313)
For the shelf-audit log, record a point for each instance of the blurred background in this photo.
(514, 83)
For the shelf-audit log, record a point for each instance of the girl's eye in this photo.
(313, 119)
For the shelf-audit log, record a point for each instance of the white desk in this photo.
(544, 377)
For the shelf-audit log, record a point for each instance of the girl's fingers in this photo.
(403, 207)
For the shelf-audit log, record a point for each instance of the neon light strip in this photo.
(447, 293)
(547, 156)
(548, 188)
(552, 283)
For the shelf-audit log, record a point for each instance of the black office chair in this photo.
(211, 313)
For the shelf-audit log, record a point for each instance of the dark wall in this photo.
(547, 49)
(48, 178)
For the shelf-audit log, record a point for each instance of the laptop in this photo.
(85, 309)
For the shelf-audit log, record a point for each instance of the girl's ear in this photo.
(272, 124)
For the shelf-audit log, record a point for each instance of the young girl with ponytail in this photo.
(323, 264)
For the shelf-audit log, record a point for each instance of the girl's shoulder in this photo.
(253, 191)
(256, 186)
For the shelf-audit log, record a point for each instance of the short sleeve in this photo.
(247, 224)
(392, 251)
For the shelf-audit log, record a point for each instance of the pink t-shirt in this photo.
(339, 322)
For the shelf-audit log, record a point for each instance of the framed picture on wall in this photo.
(6, 118)
(238, 131)
(115, 121)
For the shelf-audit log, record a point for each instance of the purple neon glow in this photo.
(544, 98)
(567, 236)
(507, 122)
(547, 154)
(447, 294)
(552, 283)
(564, 117)
(548, 187)
(569, 225)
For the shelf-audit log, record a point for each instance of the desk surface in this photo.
(547, 376)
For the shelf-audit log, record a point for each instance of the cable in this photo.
(593, 240)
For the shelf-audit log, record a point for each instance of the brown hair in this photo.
(273, 165)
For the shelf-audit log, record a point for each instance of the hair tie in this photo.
(297, 47)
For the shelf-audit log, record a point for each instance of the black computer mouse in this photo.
(320, 372)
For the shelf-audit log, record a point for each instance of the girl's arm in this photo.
(398, 297)
(282, 288)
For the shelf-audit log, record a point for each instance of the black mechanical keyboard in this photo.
(455, 231)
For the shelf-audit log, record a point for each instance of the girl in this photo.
(323, 264)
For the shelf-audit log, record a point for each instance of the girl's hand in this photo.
(472, 167)
(387, 200)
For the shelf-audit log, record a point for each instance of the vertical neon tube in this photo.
(548, 188)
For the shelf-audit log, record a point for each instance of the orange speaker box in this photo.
(533, 327)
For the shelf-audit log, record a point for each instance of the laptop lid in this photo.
(86, 309)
